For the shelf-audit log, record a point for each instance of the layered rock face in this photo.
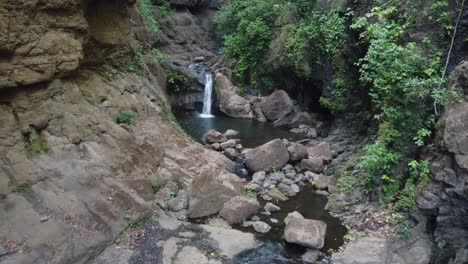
(71, 178)
(40, 40)
(446, 198)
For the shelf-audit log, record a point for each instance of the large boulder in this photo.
(306, 232)
(230, 102)
(239, 208)
(320, 150)
(267, 156)
(213, 136)
(277, 105)
(209, 192)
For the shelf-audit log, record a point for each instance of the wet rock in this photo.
(239, 147)
(231, 134)
(271, 207)
(274, 221)
(312, 133)
(293, 215)
(287, 190)
(369, 250)
(276, 105)
(288, 168)
(239, 208)
(231, 153)
(297, 152)
(259, 176)
(261, 227)
(266, 157)
(213, 136)
(310, 256)
(306, 232)
(291, 175)
(277, 194)
(302, 118)
(313, 164)
(299, 178)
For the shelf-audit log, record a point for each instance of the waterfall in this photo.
(207, 99)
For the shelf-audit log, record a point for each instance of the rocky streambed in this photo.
(281, 199)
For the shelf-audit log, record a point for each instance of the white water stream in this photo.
(207, 99)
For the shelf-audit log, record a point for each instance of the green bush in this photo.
(125, 117)
(146, 10)
(36, 143)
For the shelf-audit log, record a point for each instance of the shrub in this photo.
(146, 10)
(125, 117)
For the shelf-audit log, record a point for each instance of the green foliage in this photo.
(307, 41)
(306, 34)
(125, 117)
(169, 115)
(135, 63)
(404, 229)
(177, 82)
(250, 190)
(146, 10)
(36, 143)
(24, 188)
(136, 224)
(154, 56)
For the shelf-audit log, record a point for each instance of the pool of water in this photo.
(252, 132)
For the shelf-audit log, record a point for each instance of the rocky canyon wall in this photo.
(71, 178)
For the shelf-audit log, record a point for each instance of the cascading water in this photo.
(207, 99)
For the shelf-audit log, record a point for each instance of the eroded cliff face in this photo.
(446, 198)
(71, 178)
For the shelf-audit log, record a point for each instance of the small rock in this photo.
(75, 139)
(295, 188)
(261, 227)
(277, 194)
(266, 197)
(231, 143)
(287, 168)
(199, 59)
(269, 207)
(231, 134)
(293, 215)
(247, 223)
(320, 192)
(45, 218)
(312, 133)
(213, 136)
(310, 256)
(265, 213)
(218, 222)
(299, 178)
(230, 153)
(276, 176)
(239, 147)
(267, 184)
(25, 131)
(3, 251)
(287, 181)
(216, 146)
(255, 218)
(321, 181)
(274, 221)
(259, 176)
(286, 189)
